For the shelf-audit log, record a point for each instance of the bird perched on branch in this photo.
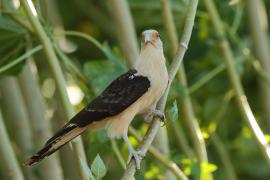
(135, 92)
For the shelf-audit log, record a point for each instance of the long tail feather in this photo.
(63, 136)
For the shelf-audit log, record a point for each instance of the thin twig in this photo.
(20, 22)
(225, 158)
(118, 154)
(20, 59)
(160, 157)
(156, 123)
(213, 73)
(85, 36)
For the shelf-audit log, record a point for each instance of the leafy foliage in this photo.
(99, 64)
(98, 168)
(12, 42)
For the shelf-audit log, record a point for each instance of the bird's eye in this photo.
(158, 35)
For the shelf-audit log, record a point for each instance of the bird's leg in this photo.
(138, 155)
(154, 112)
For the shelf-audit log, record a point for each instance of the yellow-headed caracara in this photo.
(135, 92)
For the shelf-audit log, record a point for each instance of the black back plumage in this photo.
(119, 95)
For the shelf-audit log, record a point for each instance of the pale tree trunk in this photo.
(8, 162)
(126, 33)
(49, 168)
(68, 159)
(17, 119)
(257, 19)
(60, 81)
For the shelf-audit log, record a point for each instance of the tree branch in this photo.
(15, 114)
(186, 104)
(257, 20)
(8, 163)
(58, 76)
(155, 125)
(160, 157)
(50, 168)
(241, 98)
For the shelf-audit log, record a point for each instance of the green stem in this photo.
(181, 140)
(72, 68)
(256, 16)
(261, 73)
(19, 21)
(41, 127)
(189, 115)
(8, 163)
(236, 83)
(156, 122)
(118, 154)
(213, 73)
(20, 59)
(15, 114)
(225, 158)
(87, 37)
(160, 157)
(57, 75)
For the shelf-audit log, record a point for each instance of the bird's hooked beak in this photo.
(150, 36)
(147, 38)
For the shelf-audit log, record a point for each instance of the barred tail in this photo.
(63, 136)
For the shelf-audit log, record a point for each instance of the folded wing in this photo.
(118, 96)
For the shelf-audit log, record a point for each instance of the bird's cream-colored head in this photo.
(150, 37)
(151, 58)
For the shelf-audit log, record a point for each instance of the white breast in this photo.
(151, 64)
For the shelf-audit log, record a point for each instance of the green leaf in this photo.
(98, 168)
(86, 170)
(8, 5)
(102, 136)
(206, 170)
(173, 112)
(203, 171)
(12, 40)
(100, 73)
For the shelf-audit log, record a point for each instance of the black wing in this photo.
(121, 93)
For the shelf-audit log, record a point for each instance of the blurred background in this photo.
(49, 73)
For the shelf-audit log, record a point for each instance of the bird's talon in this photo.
(138, 156)
(156, 113)
(159, 114)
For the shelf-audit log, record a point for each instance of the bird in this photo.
(135, 92)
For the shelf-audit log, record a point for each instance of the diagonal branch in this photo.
(156, 123)
(186, 104)
(160, 157)
(241, 98)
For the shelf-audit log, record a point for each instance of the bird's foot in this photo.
(138, 155)
(156, 113)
